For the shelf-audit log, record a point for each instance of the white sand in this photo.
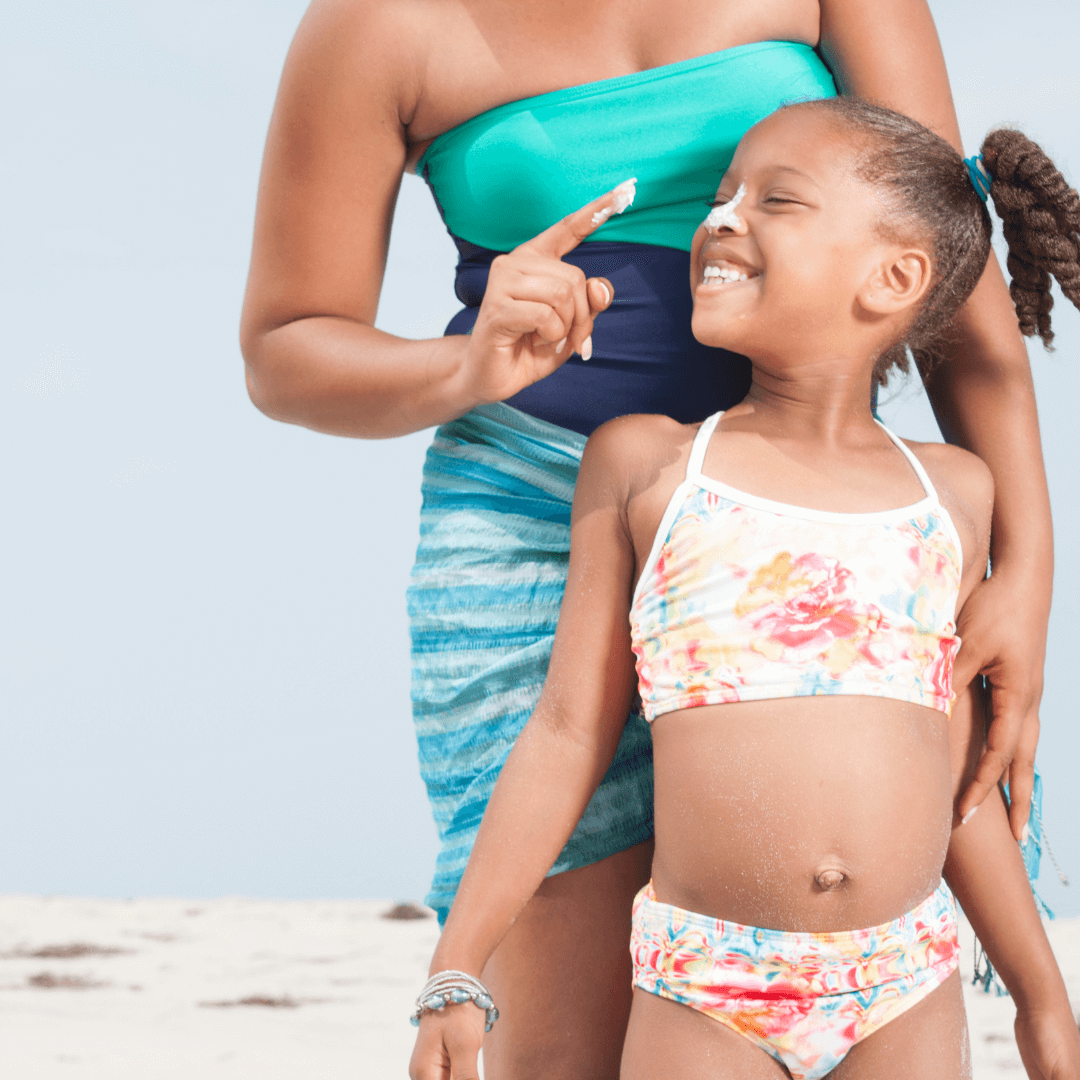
(352, 975)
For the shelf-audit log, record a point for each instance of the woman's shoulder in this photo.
(369, 44)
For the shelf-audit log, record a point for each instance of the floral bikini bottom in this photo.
(805, 999)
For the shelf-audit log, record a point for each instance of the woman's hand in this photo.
(537, 310)
(999, 643)
(448, 1044)
(1049, 1043)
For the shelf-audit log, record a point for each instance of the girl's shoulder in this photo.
(639, 449)
(965, 487)
(956, 472)
(635, 463)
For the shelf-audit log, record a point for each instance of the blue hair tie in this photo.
(980, 178)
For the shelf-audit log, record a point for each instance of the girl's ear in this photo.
(896, 283)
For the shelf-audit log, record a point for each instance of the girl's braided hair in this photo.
(932, 198)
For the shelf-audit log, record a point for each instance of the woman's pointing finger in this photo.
(565, 235)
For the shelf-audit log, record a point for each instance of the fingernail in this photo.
(586, 348)
(607, 292)
(1025, 835)
(559, 347)
(968, 816)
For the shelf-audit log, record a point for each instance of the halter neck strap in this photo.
(701, 444)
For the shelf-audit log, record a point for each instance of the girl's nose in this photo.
(726, 216)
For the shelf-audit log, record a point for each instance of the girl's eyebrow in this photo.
(797, 172)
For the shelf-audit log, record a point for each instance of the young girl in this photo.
(788, 576)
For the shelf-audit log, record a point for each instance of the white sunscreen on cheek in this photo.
(624, 197)
(724, 217)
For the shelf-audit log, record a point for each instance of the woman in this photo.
(367, 90)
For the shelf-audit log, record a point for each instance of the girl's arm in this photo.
(984, 400)
(985, 870)
(559, 758)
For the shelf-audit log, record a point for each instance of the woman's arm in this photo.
(983, 864)
(333, 162)
(559, 758)
(332, 166)
(985, 870)
(983, 398)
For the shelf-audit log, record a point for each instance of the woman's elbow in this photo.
(264, 376)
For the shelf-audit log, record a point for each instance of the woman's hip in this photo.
(483, 606)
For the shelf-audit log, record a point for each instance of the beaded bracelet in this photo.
(454, 988)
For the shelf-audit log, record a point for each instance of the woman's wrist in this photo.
(463, 385)
(1042, 992)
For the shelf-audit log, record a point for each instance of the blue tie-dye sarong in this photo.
(483, 603)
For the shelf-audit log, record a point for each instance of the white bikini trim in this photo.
(696, 478)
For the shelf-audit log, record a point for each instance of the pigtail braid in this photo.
(1040, 217)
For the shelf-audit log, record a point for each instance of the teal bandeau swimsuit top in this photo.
(507, 174)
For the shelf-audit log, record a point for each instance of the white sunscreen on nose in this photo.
(624, 197)
(724, 217)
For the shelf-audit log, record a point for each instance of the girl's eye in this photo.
(713, 203)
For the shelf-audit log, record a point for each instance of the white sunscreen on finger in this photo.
(724, 217)
(623, 197)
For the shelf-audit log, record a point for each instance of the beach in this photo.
(158, 989)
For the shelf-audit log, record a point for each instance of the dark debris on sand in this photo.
(76, 950)
(284, 1002)
(407, 911)
(48, 981)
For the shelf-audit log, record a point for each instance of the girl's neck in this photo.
(823, 409)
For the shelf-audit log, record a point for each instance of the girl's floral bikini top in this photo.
(744, 599)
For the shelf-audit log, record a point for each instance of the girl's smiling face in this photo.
(799, 271)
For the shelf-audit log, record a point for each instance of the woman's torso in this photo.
(672, 116)
(758, 802)
(475, 56)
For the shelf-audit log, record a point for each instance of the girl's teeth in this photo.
(723, 273)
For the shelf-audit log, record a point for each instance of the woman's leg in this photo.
(929, 1041)
(562, 976)
(669, 1041)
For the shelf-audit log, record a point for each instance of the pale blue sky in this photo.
(204, 684)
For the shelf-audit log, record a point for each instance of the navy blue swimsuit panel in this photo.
(645, 359)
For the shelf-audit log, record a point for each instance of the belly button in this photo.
(829, 879)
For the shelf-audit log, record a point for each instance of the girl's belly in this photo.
(814, 813)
